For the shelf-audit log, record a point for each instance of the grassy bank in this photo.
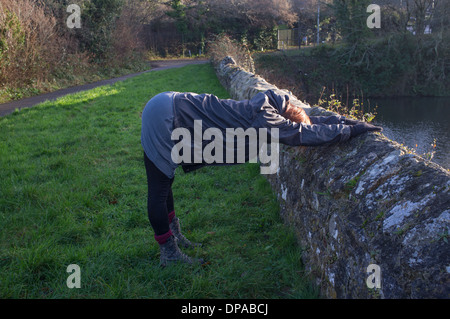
(397, 65)
(73, 191)
(73, 74)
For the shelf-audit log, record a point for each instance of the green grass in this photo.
(73, 191)
(73, 73)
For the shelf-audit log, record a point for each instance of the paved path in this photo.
(9, 107)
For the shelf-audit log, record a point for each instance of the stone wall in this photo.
(366, 201)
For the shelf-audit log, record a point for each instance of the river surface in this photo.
(416, 122)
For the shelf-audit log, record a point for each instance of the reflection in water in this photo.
(416, 122)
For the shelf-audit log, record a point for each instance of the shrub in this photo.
(39, 53)
(222, 45)
(30, 49)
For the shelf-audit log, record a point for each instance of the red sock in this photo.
(161, 239)
(171, 216)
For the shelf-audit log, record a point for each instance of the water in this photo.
(416, 122)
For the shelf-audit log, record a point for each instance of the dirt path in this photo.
(9, 107)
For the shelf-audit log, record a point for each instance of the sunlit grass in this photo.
(73, 191)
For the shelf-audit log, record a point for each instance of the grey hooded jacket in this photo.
(262, 111)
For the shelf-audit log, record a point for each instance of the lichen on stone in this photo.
(363, 201)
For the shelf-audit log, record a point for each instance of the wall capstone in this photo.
(366, 201)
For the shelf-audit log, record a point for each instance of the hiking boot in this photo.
(176, 231)
(170, 253)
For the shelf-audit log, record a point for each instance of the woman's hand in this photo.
(363, 127)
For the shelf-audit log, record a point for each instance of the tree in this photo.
(351, 17)
(248, 21)
(99, 22)
(440, 21)
(422, 11)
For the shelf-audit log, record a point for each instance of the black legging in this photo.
(160, 197)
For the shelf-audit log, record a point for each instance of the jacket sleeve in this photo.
(319, 134)
(333, 119)
(325, 129)
(296, 134)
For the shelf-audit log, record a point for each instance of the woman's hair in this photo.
(296, 114)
